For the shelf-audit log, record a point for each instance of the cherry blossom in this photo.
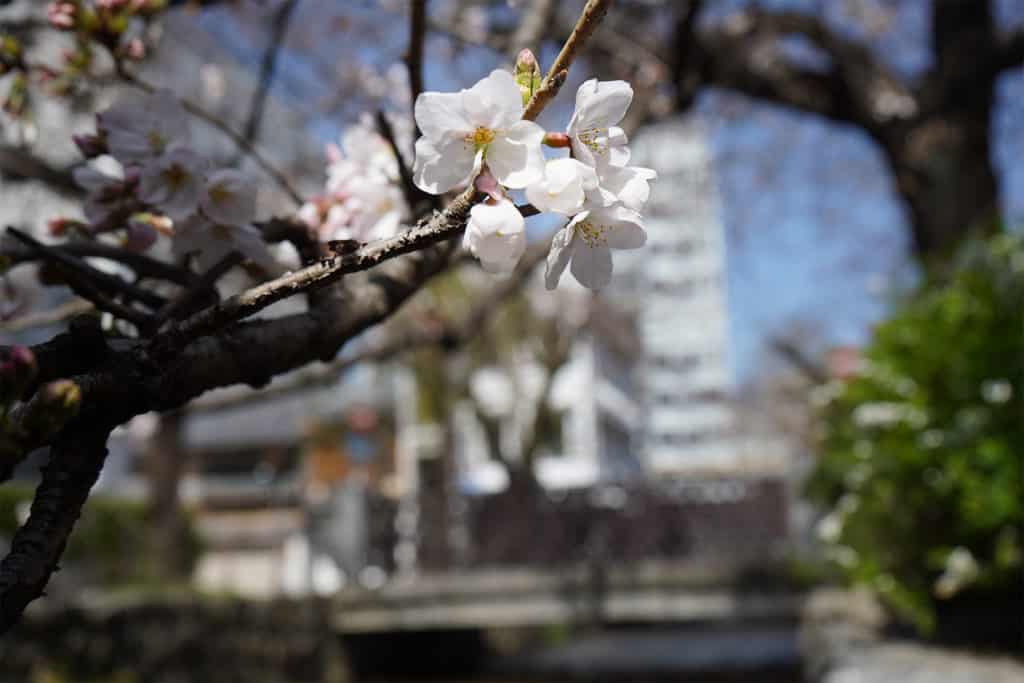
(142, 130)
(564, 187)
(209, 243)
(496, 234)
(108, 194)
(483, 122)
(173, 183)
(626, 184)
(229, 198)
(587, 242)
(596, 138)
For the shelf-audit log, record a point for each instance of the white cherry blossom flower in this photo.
(481, 122)
(173, 183)
(142, 130)
(363, 154)
(587, 242)
(596, 138)
(626, 184)
(229, 198)
(209, 243)
(496, 234)
(107, 193)
(564, 187)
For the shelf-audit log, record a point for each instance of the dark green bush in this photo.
(922, 458)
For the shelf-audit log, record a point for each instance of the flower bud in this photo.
(91, 146)
(62, 15)
(52, 407)
(59, 227)
(527, 74)
(486, 182)
(556, 140)
(17, 371)
(139, 235)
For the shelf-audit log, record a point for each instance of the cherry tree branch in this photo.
(441, 227)
(450, 336)
(74, 465)
(142, 265)
(215, 348)
(279, 28)
(589, 20)
(414, 55)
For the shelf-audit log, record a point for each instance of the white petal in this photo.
(592, 266)
(440, 113)
(496, 235)
(440, 167)
(628, 185)
(558, 257)
(516, 158)
(229, 197)
(601, 104)
(626, 230)
(91, 179)
(561, 189)
(494, 102)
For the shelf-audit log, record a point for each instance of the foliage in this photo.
(110, 542)
(921, 465)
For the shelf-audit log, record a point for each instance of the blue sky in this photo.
(816, 237)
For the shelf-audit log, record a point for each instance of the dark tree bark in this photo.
(166, 460)
(935, 132)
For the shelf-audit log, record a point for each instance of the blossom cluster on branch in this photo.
(363, 198)
(145, 178)
(479, 135)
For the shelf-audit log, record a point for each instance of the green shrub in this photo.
(109, 543)
(922, 458)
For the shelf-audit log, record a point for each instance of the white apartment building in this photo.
(675, 288)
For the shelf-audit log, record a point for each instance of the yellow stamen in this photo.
(595, 139)
(480, 138)
(593, 235)
(156, 141)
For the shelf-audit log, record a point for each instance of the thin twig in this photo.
(204, 284)
(51, 316)
(249, 148)
(279, 28)
(589, 20)
(414, 57)
(443, 226)
(95, 279)
(413, 195)
(142, 265)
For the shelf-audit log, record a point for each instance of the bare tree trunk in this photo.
(165, 464)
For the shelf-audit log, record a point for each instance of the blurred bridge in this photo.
(648, 593)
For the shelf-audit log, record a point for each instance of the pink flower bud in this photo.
(486, 182)
(61, 15)
(17, 370)
(139, 235)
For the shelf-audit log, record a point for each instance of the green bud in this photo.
(52, 408)
(527, 73)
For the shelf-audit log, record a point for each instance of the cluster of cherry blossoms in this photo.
(479, 134)
(363, 199)
(144, 178)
